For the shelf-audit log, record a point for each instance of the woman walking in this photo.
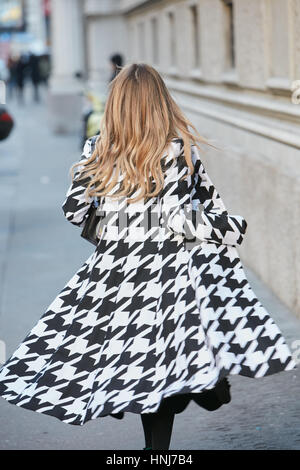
(161, 313)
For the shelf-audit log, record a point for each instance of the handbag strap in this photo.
(93, 145)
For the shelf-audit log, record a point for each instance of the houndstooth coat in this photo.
(156, 316)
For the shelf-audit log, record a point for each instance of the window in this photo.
(131, 32)
(172, 38)
(195, 36)
(279, 39)
(229, 34)
(154, 30)
(141, 39)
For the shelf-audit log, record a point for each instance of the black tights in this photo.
(158, 428)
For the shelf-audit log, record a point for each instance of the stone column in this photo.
(67, 44)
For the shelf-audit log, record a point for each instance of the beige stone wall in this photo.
(245, 109)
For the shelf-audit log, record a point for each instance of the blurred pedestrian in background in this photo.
(35, 75)
(116, 61)
(21, 68)
(44, 69)
(92, 115)
(12, 77)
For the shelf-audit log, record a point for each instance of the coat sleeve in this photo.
(75, 206)
(211, 222)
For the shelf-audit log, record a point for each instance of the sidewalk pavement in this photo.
(40, 251)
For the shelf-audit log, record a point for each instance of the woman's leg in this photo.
(162, 427)
(147, 419)
(158, 429)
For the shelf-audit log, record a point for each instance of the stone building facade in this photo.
(230, 65)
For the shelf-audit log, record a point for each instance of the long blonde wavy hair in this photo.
(139, 121)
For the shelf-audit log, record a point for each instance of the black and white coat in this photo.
(155, 312)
